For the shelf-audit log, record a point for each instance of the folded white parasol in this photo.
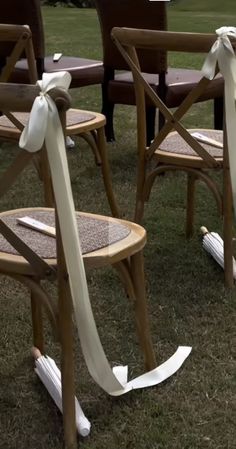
(214, 245)
(50, 376)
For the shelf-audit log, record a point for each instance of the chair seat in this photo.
(84, 72)
(121, 89)
(104, 240)
(175, 147)
(77, 121)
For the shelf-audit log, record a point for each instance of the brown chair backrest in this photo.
(128, 41)
(133, 14)
(16, 40)
(25, 12)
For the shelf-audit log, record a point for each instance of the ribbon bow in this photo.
(223, 53)
(43, 112)
(44, 123)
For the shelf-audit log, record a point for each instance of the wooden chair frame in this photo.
(92, 131)
(128, 41)
(29, 269)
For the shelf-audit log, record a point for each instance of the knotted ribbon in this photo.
(223, 53)
(44, 123)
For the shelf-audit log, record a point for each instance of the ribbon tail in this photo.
(96, 360)
(227, 65)
(209, 65)
(157, 375)
(230, 112)
(94, 355)
(33, 135)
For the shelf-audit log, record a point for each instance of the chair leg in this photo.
(139, 211)
(150, 124)
(218, 113)
(139, 204)
(67, 356)
(141, 313)
(37, 322)
(109, 128)
(190, 204)
(67, 371)
(123, 270)
(108, 111)
(161, 120)
(102, 147)
(91, 139)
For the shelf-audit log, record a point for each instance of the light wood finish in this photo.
(173, 147)
(30, 269)
(90, 130)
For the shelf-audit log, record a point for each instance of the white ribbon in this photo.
(223, 53)
(44, 122)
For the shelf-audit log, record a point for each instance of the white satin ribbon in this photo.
(223, 53)
(114, 381)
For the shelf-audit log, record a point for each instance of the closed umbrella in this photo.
(214, 245)
(50, 376)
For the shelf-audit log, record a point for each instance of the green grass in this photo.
(196, 408)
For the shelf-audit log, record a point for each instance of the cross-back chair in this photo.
(174, 147)
(118, 85)
(84, 71)
(30, 257)
(15, 41)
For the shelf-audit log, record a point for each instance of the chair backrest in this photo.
(143, 14)
(20, 98)
(128, 41)
(15, 41)
(26, 12)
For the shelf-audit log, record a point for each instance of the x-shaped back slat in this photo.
(128, 40)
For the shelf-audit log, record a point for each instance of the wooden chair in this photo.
(118, 86)
(16, 39)
(30, 257)
(174, 147)
(84, 72)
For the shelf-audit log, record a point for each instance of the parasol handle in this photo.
(204, 230)
(35, 353)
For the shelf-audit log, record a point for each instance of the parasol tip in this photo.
(204, 230)
(35, 353)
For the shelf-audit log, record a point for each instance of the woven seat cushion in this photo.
(94, 233)
(72, 118)
(174, 143)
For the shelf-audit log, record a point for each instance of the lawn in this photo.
(188, 304)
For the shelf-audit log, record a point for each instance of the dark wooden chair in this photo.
(118, 86)
(174, 147)
(84, 71)
(30, 257)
